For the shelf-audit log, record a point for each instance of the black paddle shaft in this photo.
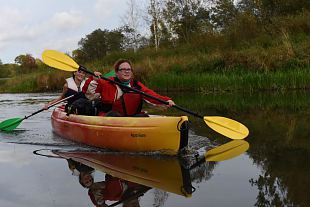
(34, 113)
(60, 101)
(141, 92)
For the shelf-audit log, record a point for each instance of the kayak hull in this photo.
(135, 134)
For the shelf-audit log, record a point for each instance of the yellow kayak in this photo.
(164, 134)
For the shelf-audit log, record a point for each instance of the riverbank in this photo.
(283, 64)
(242, 81)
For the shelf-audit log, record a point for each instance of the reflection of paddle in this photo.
(228, 127)
(11, 124)
(224, 152)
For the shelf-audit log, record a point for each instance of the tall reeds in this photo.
(232, 81)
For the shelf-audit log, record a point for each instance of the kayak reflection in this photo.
(165, 173)
(128, 176)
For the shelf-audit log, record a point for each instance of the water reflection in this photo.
(130, 176)
(165, 173)
(112, 188)
(274, 172)
(279, 137)
(285, 169)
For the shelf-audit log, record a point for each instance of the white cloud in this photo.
(10, 17)
(104, 8)
(32, 26)
(68, 20)
(63, 44)
(10, 22)
(109, 12)
(19, 33)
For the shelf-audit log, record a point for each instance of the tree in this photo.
(98, 44)
(79, 56)
(223, 14)
(132, 23)
(265, 10)
(26, 62)
(186, 18)
(160, 34)
(154, 11)
(94, 45)
(269, 14)
(115, 40)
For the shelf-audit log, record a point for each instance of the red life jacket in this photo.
(114, 190)
(128, 104)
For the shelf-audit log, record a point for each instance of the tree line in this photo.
(174, 23)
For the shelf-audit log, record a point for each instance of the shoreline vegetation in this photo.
(248, 52)
(193, 71)
(248, 69)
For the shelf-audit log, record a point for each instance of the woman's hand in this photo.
(170, 103)
(45, 107)
(97, 75)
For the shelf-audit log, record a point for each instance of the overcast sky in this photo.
(31, 26)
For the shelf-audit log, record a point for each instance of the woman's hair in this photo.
(119, 62)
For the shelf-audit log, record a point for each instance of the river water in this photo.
(273, 172)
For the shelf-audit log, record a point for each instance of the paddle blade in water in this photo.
(10, 124)
(227, 127)
(59, 60)
(227, 151)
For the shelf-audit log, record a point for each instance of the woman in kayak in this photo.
(116, 189)
(122, 101)
(84, 172)
(72, 86)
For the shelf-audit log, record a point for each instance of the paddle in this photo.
(223, 152)
(225, 126)
(11, 124)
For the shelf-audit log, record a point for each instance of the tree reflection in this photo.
(280, 146)
(271, 191)
(279, 139)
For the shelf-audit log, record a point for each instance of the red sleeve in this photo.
(152, 93)
(99, 87)
(86, 84)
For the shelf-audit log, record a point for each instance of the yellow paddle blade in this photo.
(59, 60)
(227, 127)
(227, 151)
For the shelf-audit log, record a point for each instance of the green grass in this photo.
(232, 81)
(38, 81)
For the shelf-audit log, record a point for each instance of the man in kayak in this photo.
(72, 86)
(121, 101)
